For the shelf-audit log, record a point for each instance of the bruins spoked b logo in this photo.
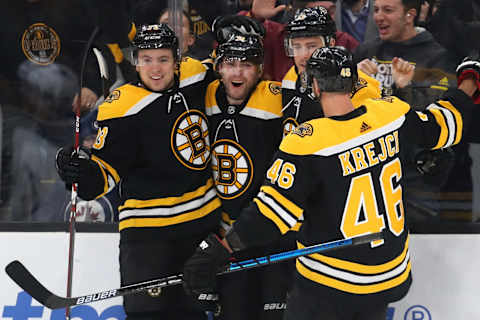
(232, 168)
(189, 140)
(289, 125)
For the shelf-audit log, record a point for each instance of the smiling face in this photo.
(239, 78)
(393, 21)
(302, 49)
(156, 68)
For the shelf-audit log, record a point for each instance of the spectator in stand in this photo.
(400, 39)
(356, 18)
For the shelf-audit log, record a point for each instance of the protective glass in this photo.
(301, 46)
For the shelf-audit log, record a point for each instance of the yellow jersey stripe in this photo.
(442, 139)
(353, 288)
(360, 268)
(168, 221)
(105, 179)
(170, 201)
(458, 119)
(278, 197)
(109, 168)
(450, 122)
(272, 216)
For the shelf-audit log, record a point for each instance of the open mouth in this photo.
(237, 84)
(155, 77)
(383, 29)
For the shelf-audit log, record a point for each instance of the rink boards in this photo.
(446, 277)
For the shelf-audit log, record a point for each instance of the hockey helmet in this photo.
(242, 48)
(155, 36)
(310, 22)
(333, 68)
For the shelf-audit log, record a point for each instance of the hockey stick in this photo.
(73, 210)
(18, 273)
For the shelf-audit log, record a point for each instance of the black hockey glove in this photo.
(435, 165)
(72, 166)
(199, 272)
(225, 27)
(470, 67)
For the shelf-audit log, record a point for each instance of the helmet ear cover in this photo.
(333, 68)
(155, 36)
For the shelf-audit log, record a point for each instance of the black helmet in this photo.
(156, 36)
(334, 69)
(241, 47)
(309, 22)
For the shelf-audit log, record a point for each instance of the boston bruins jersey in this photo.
(156, 146)
(342, 176)
(299, 104)
(244, 139)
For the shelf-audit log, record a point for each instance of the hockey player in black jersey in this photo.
(245, 121)
(342, 176)
(153, 141)
(310, 29)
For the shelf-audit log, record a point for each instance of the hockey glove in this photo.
(435, 165)
(72, 166)
(200, 272)
(225, 27)
(470, 67)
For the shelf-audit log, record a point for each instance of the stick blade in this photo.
(21, 276)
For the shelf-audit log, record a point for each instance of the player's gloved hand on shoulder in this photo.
(224, 27)
(72, 166)
(469, 68)
(199, 272)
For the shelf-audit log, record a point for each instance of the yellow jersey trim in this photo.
(125, 101)
(357, 267)
(353, 288)
(168, 221)
(170, 201)
(278, 197)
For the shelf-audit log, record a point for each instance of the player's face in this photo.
(391, 20)
(187, 37)
(156, 68)
(239, 78)
(303, 48)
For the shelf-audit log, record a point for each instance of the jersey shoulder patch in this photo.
(365, 88)
(125, 101)
(191, 71)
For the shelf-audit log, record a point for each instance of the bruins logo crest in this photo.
(232, 168)
(289, 125)
(189, 140)
(303, 130)
(360, 84)
(114, 95)
(41, 44)
(275, 88)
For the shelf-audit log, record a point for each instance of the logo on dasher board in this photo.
(41, 44)
(417, 312)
